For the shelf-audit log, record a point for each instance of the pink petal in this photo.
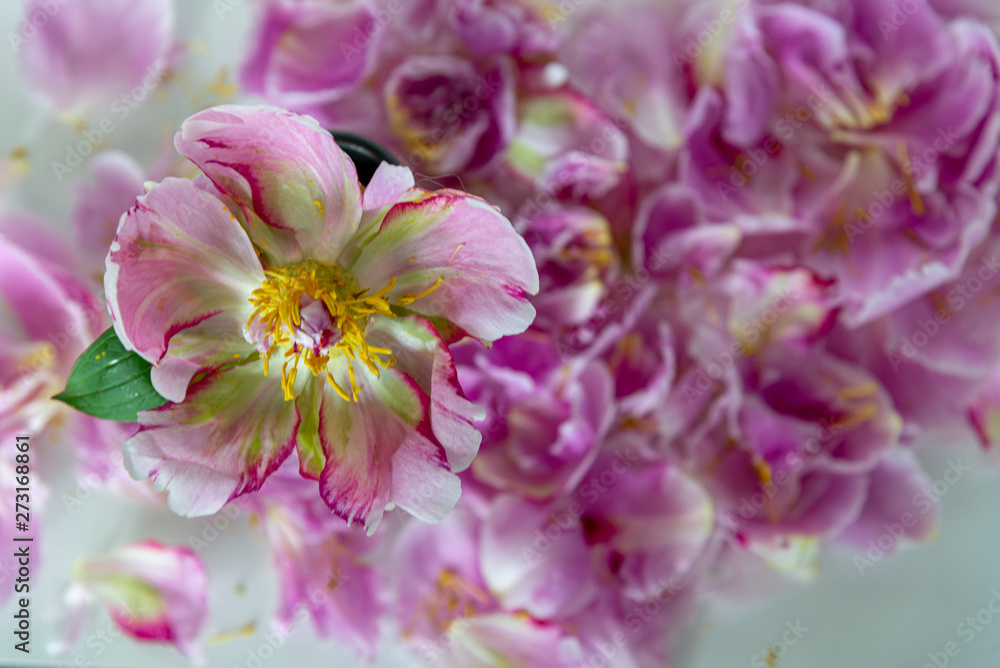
(230, 433)
(283, 167)
(486, 267)
(210, 343)
(322, 565)
(115, 182)
(424, 357)
(40, 302)
(152, 591)
(179, 258)
(901, 504)
(379, 450)
(388, 185)
(307, 52)
(545, 583)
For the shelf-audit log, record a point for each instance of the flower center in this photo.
(313, 312)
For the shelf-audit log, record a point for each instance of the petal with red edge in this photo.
(230, 433)
(282, 166)
(483, 269)
(424, 357)
(179, 258)
(379, 451)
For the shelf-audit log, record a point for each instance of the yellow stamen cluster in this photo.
(277, 304)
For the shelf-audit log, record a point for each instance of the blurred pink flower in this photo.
(86, 53)
(153, 592)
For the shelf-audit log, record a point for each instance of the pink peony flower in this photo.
(82, 55)
(283, 308)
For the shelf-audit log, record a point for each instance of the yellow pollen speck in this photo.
(229, 636)
(857, 391)
(906, 167)
(763, 470)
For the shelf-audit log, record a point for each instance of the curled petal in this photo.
(284, 168)
(179, 258)
(456, 257)
(209, 449)
(379, 451)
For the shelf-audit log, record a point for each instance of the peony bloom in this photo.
(450, 115)
(154, 592)
(283, 308)
(576, 260)
(87, 54)
(913, 189)
(434, 81)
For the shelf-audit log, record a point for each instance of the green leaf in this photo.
(110, 382)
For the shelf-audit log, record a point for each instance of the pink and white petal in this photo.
(388, 185)
(557, 581)
(152, 591)
(503, 639)
(423, 356)
(485, 268)
(179, 258)
(274, 244)
(211, 449)
(380, 451)
(282, 166)
(211, 343)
